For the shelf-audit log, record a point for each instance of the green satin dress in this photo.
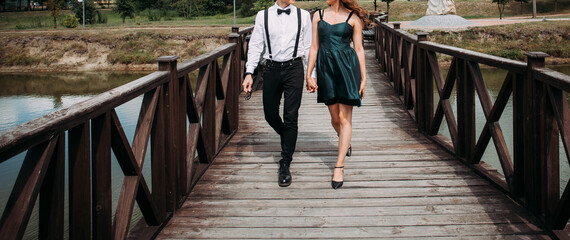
(338, 68)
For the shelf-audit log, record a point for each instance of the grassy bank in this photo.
(31, 44)
(134, 49)
(513, 40)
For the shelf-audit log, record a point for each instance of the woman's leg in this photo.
(335, 119)
(345, 136)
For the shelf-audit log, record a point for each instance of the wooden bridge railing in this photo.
(94, 129)
(540, 114)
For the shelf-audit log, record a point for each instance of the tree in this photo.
(387, 8)
(501, 5)
(245, 9)
(77, 8)
(125, 8)
(262, 4)
(184, 8)
(522, 1)
(375, 6)
(54, 7)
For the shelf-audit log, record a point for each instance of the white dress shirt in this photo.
(282, 35)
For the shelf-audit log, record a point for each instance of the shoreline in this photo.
(154, 67)
(57, 69)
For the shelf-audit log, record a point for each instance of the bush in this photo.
(90, 11)
(262, 4)
(153, 16)
(70, 21)
(100, 18)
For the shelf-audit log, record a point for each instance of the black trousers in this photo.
(283, 79)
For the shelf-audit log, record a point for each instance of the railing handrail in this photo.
(26, 135)
(552, 78)
(540, 114)
(181, 151)
(197, 62)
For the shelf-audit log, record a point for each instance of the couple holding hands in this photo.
(335, 70)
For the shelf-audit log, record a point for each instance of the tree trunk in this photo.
(29, 6)
(555, 5)
(521, 8)
(387, 9)
(501, 8)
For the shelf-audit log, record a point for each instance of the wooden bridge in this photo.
(213, 157)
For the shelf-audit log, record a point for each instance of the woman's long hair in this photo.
(359, 11)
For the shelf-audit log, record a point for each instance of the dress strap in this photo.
(349, 15)
(321, 13)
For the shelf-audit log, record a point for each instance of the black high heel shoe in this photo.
(336, 184)
(349, 151)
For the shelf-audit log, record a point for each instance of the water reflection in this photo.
(57, 85)
(24, 97)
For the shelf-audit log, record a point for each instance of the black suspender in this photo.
(267, 33)
(266, 21)
(298, 32)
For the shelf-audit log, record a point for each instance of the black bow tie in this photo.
(288, 11)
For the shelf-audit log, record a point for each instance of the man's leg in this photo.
(293, 91)
(272, 91)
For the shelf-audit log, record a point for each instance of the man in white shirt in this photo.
(285, 32)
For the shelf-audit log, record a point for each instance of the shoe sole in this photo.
(284, 184)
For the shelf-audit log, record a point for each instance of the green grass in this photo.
(400, 10)
(42, 20)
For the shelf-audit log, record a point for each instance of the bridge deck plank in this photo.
(398, 184)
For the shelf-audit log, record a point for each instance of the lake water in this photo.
(24, 97)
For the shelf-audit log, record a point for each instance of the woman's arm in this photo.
(311, 81)
(357, 40)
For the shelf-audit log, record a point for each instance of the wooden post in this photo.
(209, 113)
(383, 44)
(101, 161)
(234, 86)
(396, 66)
(465, 111)
(396, 25)
(420, 111)
(168, 63)
(158, 161)
(52, 195)
(79, 182)
(533, 168)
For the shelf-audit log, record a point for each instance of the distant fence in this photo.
(180, 152)
(540, 114)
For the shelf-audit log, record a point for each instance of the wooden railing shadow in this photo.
(186, 128)
(540, 114)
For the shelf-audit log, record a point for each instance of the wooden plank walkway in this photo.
(398, 184)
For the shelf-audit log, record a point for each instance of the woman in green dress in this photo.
(341, 71)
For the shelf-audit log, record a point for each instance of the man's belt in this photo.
(270, 63)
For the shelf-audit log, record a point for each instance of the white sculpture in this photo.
(440, 7)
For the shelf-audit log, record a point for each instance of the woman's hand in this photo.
(362, 88)
(311, 84)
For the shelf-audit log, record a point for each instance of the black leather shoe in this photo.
(284, 178)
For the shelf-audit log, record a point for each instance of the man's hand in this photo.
(311, 84)
(247, 82)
